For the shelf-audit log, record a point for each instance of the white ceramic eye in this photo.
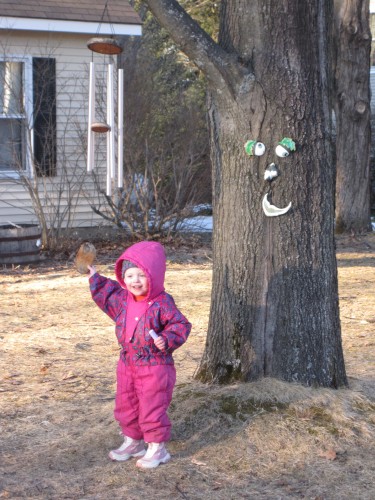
(281, 151)
(259, 149)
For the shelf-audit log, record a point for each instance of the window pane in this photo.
(11, 151)
(11, 87)
(372, 28)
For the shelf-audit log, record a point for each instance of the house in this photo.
(44, 91)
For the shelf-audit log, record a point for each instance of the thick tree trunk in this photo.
(352, 110)
(274, 309)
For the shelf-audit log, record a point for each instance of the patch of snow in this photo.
(199, 224)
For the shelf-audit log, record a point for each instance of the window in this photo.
(13, 119)
(27, 116)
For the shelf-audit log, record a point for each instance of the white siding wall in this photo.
(72, 63)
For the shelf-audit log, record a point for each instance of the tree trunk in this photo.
(352, 110)
(274, 309)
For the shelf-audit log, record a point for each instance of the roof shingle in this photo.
(117, 12)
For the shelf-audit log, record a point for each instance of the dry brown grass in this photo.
(263, 440)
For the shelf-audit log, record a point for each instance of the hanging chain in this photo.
(105, 10)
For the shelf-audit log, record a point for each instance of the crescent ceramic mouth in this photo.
(273, 211)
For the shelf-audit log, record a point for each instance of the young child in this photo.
(146, 374)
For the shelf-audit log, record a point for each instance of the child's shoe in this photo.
(129, 448)
(156, 455)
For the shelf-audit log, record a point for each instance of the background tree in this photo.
(274, 309)
(352, 111)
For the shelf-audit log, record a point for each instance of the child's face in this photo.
(136, 281)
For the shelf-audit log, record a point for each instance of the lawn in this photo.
(261, 440)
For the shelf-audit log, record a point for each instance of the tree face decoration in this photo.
(282, 150)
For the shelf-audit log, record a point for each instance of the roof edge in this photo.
(55, 25)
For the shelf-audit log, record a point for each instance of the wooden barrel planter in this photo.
(19, 244)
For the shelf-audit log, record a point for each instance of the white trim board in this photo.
(53, 25)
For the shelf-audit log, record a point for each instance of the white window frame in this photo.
(27, 87)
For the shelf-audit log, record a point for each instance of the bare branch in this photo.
(221, 68)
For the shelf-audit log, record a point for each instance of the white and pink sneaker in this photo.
(156, 454)
(129, 448)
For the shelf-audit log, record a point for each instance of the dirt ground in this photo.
(263, 440)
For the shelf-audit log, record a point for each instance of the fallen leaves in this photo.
(329, 454)
(44, 369)
(69, 376)
(198, 462)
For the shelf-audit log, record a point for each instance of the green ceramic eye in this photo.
(249, 147)
(254, 148)
(281, 151)
(285, 146)
(259, 149)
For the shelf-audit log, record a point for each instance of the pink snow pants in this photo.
(142, 399)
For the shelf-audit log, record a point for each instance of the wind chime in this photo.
(106, 47)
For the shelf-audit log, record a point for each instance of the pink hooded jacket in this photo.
(135, 319)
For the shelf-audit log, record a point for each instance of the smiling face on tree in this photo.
(282, 150)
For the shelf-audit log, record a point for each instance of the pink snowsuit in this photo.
(145, 375)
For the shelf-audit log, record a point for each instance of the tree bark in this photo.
(274, 309)
(352, 110)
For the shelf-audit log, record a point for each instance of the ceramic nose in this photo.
(271, 172)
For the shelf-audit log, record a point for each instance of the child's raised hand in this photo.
(92, 270)
(160, 343)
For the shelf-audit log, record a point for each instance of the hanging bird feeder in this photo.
(107, 47)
